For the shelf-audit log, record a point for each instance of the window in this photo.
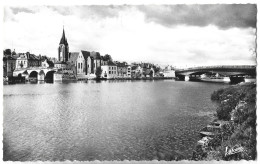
(109, 72)
(78, 65)
(81, 65)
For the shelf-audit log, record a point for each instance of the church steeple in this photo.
(63, 39)
(63, 50)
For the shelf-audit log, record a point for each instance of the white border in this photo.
(121, 2)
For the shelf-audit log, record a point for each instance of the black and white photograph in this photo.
(129, 82)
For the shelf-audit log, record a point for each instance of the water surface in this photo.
(109, 120)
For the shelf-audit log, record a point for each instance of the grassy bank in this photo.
(237, 105)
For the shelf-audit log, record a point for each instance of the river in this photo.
(107, 120)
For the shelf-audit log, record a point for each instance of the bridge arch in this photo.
(151, 73)
(33, 74)
(49, 76)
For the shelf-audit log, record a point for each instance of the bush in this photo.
(243, 130)
(216, 94)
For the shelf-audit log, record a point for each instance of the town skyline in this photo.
(151, 33)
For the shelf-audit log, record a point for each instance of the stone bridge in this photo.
(233, 72)
(39, 73)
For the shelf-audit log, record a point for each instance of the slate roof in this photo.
(10, 58)
(60, 62)
(73, 56)
(85, 54)
(33, 57)
(110, 63)
(95, 55)
(134, 67)
(51, 64)
(15, 57)
(123, 64)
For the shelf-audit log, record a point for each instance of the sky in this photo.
(177, 35)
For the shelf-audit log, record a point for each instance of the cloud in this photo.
(17, 10)
(222, 15)
(125, 33)
(91, 11)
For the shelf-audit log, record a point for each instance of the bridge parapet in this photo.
(32, 69)
(219, 67)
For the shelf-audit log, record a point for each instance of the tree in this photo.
(98, 72)
(156, 69)
(7, 52)
(108, 58)
(13, 53)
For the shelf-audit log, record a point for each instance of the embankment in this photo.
(237, 140)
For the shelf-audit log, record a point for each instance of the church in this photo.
(83, 63)
(63, 50)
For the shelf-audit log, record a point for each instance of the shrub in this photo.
(216, 94)
(243, 130)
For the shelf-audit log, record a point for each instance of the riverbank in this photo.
(14, 80)
(139, 78)
(237, 139)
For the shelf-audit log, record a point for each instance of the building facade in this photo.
(89, 61)
(123, 70)
(45, 64)
(96, 60)
(129, 71)
(60, 64)
(109, 70)
(21, 61)
(80, 64)
(9, 65)
(33, 60)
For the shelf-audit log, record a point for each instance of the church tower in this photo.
(63, 50)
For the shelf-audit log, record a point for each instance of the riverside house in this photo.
(109, 70)
(96, 60)
(9, 65)
(123, 70)
(137, 71)
(21, 61)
